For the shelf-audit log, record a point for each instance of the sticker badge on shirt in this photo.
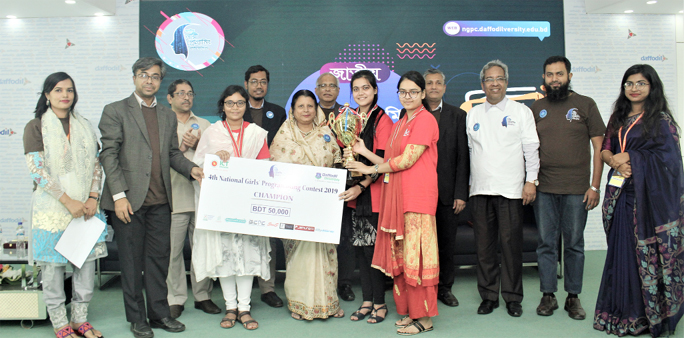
(326, 137)
(507, 121)
(572, 115)
(476, 127)
(269, 114)
(542, 113)
(195, 126)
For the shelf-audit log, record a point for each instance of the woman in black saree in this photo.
(642, 288)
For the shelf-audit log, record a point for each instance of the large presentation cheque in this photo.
(272, 199)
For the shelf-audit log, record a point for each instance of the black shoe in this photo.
(176, 310)
(487, 306)
(448, 298)
(345, 292)
(167, 324)
(547, 305)
(514, 309)
(574, 308)
(207, 306)
(142, 330)
(272, 299)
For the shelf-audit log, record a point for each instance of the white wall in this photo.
(600, 51)
(104, 48)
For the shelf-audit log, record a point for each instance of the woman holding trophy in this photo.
(311, 280)
(364, 196)
(406, 244)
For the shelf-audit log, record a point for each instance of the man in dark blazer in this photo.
(139, 146)
(453, 171)
(270, 117)
(265, 114)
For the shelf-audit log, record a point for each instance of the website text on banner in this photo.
(271, 199)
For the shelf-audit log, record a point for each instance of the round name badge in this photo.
(195, 126)
(326, 137)
(542, 113)
(269, 114)
(476, 127)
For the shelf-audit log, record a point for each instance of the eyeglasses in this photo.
(639, 85)
(413, 93)
(255, 82)
(144, 76)
(491, 80)
(327, 85)
(184, 94)
(230, 104)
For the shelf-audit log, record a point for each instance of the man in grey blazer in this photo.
(139, 146)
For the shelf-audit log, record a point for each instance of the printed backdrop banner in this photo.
(212, 43)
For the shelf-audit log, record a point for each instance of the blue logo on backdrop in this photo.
(542, 113)
(476, 127)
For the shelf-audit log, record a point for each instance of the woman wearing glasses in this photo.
(642, 289)
(232, 258)
(406, 243)
(364, 196)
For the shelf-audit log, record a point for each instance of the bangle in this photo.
(363, 187)
(376, 168)
(596, 190)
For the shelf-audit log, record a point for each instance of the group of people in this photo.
(400, 213)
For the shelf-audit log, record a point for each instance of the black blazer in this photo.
(453, 163)
(270, 124)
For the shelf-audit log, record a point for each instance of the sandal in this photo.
(377, 318)
(65, 332)
(296, 316)
(339, 314)
(418, 326)
(401, 320)
(247, 322)
(84, 328)
(358, 315)
(230, 321)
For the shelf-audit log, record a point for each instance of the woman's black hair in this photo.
(300, 93)
(368, 75)
(416, 78)
(230, 90)
(50, 82)
(654, 105)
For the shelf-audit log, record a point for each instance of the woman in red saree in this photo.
(406, 243)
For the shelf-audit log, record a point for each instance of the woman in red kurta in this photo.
(406, 244)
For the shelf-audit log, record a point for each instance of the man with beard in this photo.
(270, 117)
(566, 123)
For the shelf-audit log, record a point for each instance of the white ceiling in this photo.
(638, 6)
(55, 8)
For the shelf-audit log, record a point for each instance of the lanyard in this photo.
(237, 146)
(623, 144)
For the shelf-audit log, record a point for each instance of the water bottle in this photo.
(22, 245)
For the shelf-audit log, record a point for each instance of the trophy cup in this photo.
(347, 126)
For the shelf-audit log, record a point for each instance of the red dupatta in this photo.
(391, 219)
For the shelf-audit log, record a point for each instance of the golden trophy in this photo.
(347, 126)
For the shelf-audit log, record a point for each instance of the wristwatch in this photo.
(596, 190)
(535, 182)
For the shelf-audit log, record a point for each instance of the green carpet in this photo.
(107, 315)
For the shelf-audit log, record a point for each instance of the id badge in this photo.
(386, 178)
(617, 180)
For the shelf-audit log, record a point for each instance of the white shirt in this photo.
(503, 146)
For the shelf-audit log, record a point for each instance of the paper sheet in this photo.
(79, 238)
